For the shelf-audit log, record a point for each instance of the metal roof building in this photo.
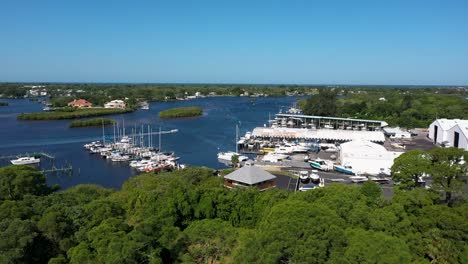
(250, 176)
(335, 122)
(320, 134)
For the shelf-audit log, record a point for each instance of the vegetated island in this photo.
(93, 122)
(72, 113)
(3, 104)
(180, 112)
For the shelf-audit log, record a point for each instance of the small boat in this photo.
(274, 157)
(314, 177)
(320, 164)
(346, 169)
(304, 176)
(358, 179)
(25, 161)
(307, 187)
(377, 179)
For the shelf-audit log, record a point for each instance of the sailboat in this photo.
(227, 156)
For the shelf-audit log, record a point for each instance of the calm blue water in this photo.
(197, 141)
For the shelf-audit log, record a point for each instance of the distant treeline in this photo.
(93, 122)
(98, 94)
(76, 113)
(181, 112)
(410, 109)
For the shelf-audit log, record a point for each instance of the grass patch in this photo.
(76, 113)
(181, 112)
(93, 122)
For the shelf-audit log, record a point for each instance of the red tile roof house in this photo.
(80, 103)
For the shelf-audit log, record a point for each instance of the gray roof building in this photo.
(249, 175)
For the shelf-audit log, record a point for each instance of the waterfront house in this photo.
(115, 104)
(80, 103)
(250, 176)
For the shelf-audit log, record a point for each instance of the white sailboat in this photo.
(227, 156)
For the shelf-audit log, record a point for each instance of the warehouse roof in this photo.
(322, 134)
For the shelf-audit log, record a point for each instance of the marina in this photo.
(197, 142)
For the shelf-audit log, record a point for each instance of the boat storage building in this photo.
(449, 133)
(366, 157)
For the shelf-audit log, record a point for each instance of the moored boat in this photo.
(25, 161)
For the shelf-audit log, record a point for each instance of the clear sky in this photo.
(238, 41)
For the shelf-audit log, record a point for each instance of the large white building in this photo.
(449, 133)
(115, 104)
(366, 157)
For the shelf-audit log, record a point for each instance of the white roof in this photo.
(328, 134)
(462, 126)
(250, 174)
(446, 124)
(362, 146)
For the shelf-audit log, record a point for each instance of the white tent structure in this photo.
(366, 157)
(458, 136)
(449, 132)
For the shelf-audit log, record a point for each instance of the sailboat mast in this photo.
(123, 126)
(103, 137)
(237, 135)
(159, 139)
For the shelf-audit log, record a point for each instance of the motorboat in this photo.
(304, 176)
(283, 150)
(346, 169)
(314, 177)
(321, 165)
(358, 179)
(307, 187)
(274, 157)
(25, 161)
(229, 154)
(378, 179)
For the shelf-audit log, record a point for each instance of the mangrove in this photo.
(180, 112)
(66, 113)
(93, 122)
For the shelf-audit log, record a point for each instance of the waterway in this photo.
(197, 141)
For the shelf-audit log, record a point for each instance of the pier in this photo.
(67, 169)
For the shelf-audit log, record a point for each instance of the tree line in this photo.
(408, 108)
(188, 216)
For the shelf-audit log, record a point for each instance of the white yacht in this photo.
(274, 157)
(25, 161)
(229, 154)
(358, 179)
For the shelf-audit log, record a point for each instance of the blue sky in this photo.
(297, 42)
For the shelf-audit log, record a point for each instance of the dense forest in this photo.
(188, 216)
(410, 108)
